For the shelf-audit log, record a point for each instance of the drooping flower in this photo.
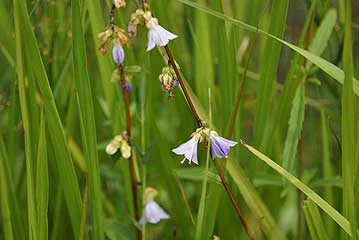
(119, 3)
(220, 147)
(157, 35)
(188, 149)
(152, 212)
(118, 53)
(119, 142)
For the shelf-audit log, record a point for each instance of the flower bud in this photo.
(118, 53)
(119, 3)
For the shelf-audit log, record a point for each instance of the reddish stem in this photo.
(233, 200)
(128, 129)
(184, 89)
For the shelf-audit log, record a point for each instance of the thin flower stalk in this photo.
(128, 129)
(201, 125)
(183, 87)
(118, 57)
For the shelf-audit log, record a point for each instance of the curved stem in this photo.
(233, 200)
(184, 89)
(128, 129)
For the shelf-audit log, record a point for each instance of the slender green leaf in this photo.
(294, 130)
(42, 183)
(64, 163)
(327, 208)
(87, 116)
(269, 70)
(349, 161)
(317, 223)
(327, 67)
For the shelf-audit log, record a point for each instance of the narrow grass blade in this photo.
(294, 130)
(84, 211)
(32, 234)
(327, 208)
(327, 67)
(5, 201)
(105, 64)
(317, 223)
(269, 70)
(87, 116)
(322, 35)
(349, 161)
(64, 165)
(42, 183)
(310, 223)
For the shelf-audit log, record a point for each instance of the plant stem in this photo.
(184, 89)
(128, 129)
(233, 200)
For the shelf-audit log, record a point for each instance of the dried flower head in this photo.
(114, 33)
(119, 3)
(136, 18)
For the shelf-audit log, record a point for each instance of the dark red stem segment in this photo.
(233, 200)
(184, 89)
(128, 129)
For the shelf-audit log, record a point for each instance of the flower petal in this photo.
(151, 39)
(118, 54)
(153, 213)
(188, 149)
(111, 148)
(220, 146)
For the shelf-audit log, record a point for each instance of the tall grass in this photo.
(283, 80)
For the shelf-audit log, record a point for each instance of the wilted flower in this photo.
(104, 38)
(118, 53)
(152, 212)
(119, 3)
(113, 32)
(119, 142)
(220, 146)
(168, 80)
(136, 18)
(157, 35)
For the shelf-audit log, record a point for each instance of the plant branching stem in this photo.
(128, 129)
(184, 89)
(200, 124)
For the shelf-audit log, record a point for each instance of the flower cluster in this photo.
(157, 35)
(220, 147)
(168, 80)
(152, 212)
(118, 37)
(119, 142)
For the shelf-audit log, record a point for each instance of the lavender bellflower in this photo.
(157, 35)
(220, 147)
(152, 212)
(118, 53)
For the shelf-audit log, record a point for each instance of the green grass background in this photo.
(61, 103)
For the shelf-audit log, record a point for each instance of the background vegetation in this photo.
(61, 103)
